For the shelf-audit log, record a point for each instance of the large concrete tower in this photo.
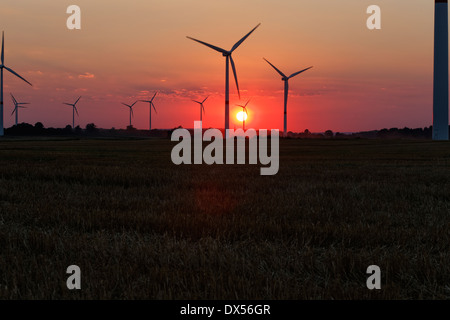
(440, 82)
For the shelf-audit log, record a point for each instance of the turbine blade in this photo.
(77, 100)
(154, 95)
(247, 103)
(205, 99)
(69, 104)
(76, 110)
(281, 73)
(14, 99)
(134, 103)
(17, 75)
(235, 76)
(123, 104)
(203, 108)
(294, 74)
(14, 111)
(3, 47)
(154, 107)
(237, 44)
(132, 114)
(197, 101)
(209, 45)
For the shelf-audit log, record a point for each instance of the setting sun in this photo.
(241, 116)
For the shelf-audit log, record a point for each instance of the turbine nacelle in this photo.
(17, 104)
(152, 105)
(72, 104)
(130, 106)
(244, 107)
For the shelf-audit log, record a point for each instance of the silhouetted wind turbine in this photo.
(17, 105)
(2, 66)
(151, 104)
(229, 58)
(286, 91)
(131, 109)
(202, 108)
(74, 109)
(244, 109)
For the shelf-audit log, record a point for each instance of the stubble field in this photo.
(140, 227)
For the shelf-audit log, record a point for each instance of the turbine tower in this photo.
(151, 104)
(131, 109)
(286, 91)
(440, 82)
(202, 108)
(74, 109)
(2, 66)
(244, 109)
(17, 105)
(228, 60)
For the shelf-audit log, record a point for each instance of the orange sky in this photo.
(127, 50)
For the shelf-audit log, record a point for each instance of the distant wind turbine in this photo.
(74, 109)
(131, 109)
(286, 91)
(151, 104)
(202, 108)
(244, 109)
(2, 66)
(17, 105)
(229, 58)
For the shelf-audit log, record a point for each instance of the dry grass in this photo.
(140, 227)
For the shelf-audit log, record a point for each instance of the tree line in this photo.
(38, 129)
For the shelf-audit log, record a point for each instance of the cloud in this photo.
(38, 72)
(86, 75)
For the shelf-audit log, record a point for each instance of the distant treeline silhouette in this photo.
(26, 129)
(393, 133)
(91, 130)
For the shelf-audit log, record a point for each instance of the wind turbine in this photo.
(440, 81)
(151, 104)
(202, 108)
(74, 109)
(229, 58)
(286, 91)
(2, 66)
(17, 105)
(131, 109)
(244, 109)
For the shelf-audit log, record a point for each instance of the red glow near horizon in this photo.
(361, 79)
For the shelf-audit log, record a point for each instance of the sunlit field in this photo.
(140, 227)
